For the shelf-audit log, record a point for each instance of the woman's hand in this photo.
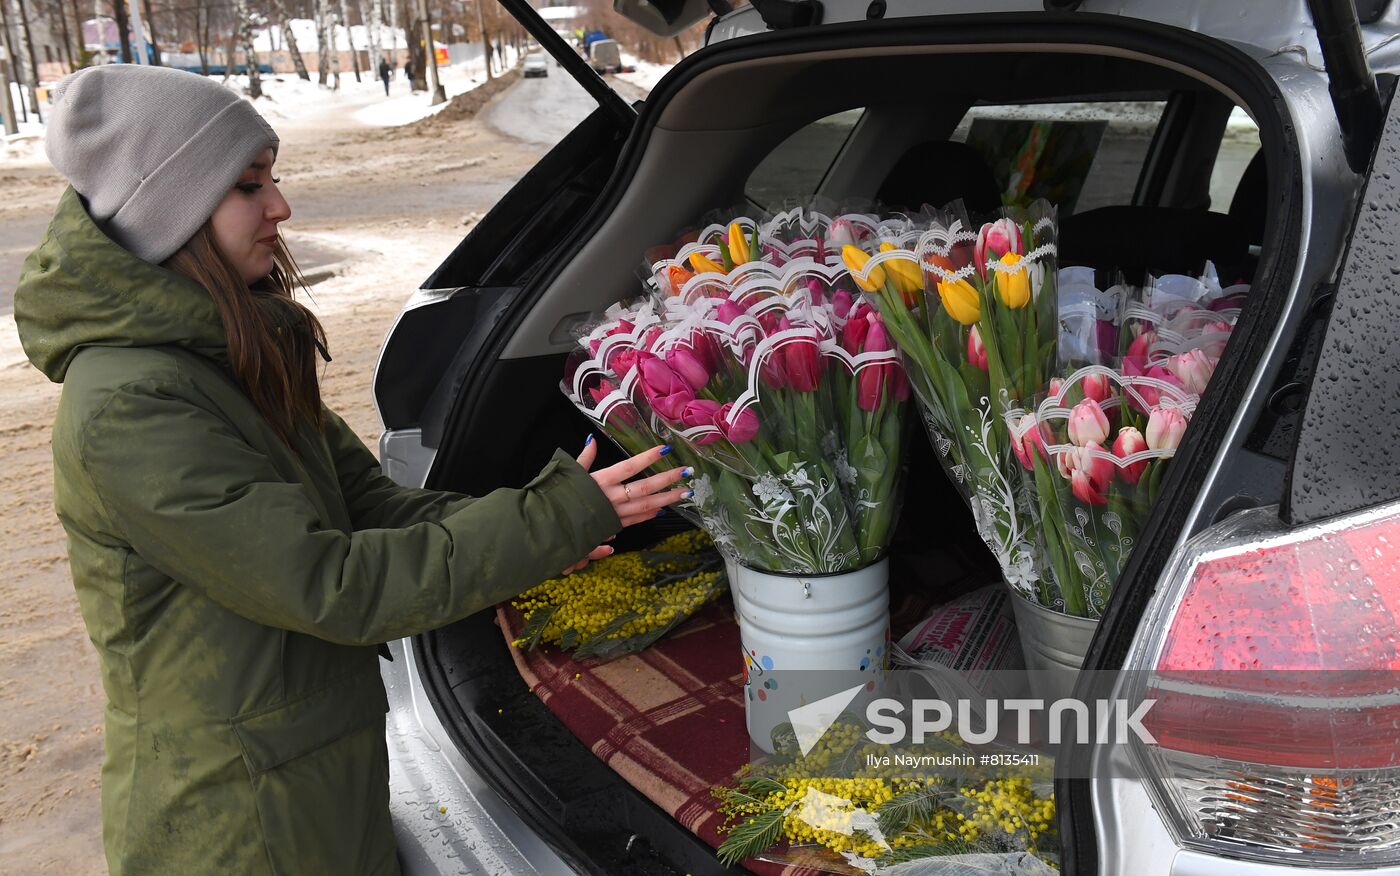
(634, 501)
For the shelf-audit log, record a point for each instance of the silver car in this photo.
(1260, 135)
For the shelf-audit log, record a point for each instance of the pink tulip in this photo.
(744, 428)
(976, 350)
(623, 327)
(1090, 474)
(704, 348)
(1056, 384)
(1128, 442)
(1135, 360)
(842, 233)
(701, 412)
(1165, 426)
(665, 390)
(1097, 387)
(995, 240)
(728, 311)
(1027, 442)
(1088, 424)
(841, 302)
(1085, 490)
(624, 360)
(1151, 395)
(814, 289)
(773, 256)
(801, 361)
(1193, 368)
(601, 391)
(853, 335)
(873, 379)
(689, 367)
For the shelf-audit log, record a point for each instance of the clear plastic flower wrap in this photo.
(1093, 451)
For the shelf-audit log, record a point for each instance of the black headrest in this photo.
(1137, 240)
(939, 172)
(1251, 198)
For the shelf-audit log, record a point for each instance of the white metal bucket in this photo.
(1054, 644)
(808, 637)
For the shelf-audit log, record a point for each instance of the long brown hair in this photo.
(273, 340)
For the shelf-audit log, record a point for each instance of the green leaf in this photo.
(751, 837)
(898, 811)
(534, 628)
(762, 785)
(927, 850)
(568, 639)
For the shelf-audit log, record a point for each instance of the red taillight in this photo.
(1277, 720)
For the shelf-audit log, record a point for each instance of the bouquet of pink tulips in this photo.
(1093, 451)
(788, 398)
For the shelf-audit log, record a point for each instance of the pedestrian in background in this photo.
(384, 72)
(237, 552)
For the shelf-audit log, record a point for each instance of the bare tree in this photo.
(244, 28)
(279, 8)
(151, 24)
(203, 23)
(323, 53)
(123, 28)
(350, 38)
(33, 75)
(374, 22)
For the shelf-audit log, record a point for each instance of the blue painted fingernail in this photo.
(689, 494)
(665, 450)
(589, 440)
(687, 472)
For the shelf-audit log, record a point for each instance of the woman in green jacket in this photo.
(237, 553)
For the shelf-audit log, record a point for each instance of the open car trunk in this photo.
(718, 116)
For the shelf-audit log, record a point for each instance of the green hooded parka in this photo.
(235, 589)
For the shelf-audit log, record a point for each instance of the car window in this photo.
(794, 170)
(1238, 147)
(1076, 155)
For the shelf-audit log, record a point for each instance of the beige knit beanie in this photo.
(152, 150)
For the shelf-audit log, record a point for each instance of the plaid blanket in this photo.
(670, 720)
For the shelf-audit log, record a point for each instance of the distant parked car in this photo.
(605, 56)
(535, 65)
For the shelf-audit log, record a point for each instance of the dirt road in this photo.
(393, 206)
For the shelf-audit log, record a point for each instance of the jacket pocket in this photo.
(320, 775)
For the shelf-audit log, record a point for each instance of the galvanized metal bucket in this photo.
(1054, 645)
(806, 638)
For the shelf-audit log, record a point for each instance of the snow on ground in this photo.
(646, 75)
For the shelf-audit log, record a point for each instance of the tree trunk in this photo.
(123, 28)
(331, 23)
(279, 8)
(323, 53)
(250, 57)
(33, 61)
(374, 22)
(485, 38)
(155, 40)
(201, 34)
(350, 38)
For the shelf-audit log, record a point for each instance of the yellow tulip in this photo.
(1014, 287)
(738, 246)
(908, 279)
(703, 265)
(856, 259)
(961, 301)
